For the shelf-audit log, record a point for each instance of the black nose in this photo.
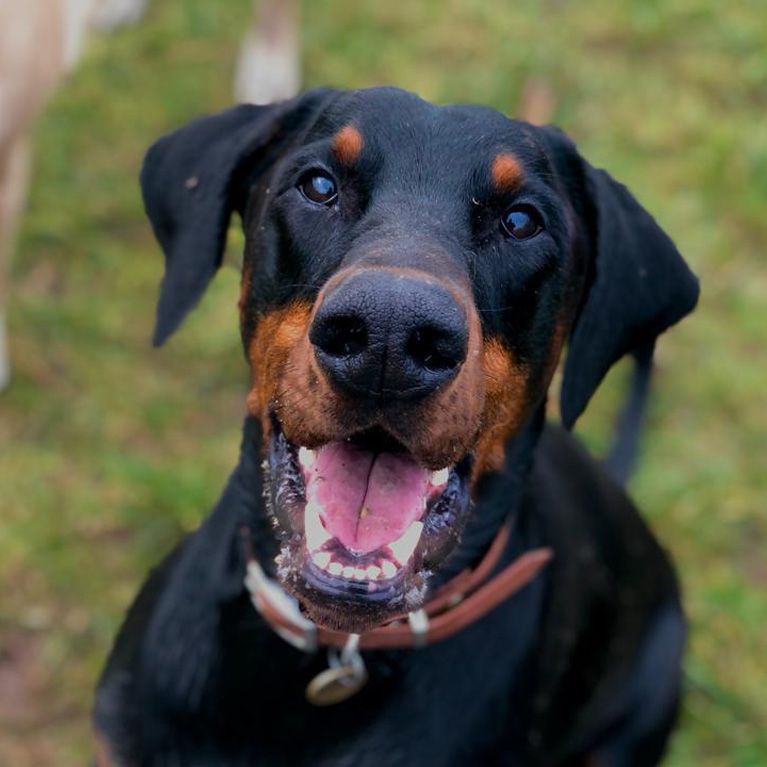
(383, 335)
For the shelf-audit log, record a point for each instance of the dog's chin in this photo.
(362, 526)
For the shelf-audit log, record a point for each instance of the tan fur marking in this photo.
(347, 145)
(479, 409)
(287, 378)
(276, 336)
(506, 172)
(506, 405)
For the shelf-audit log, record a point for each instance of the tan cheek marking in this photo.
(347, 145)
(506, 172)
(277, 334)
(447, 424)
(505, 405)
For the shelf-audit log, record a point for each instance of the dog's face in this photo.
(411, 273)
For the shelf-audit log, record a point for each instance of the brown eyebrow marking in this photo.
(347, 144)
(506, 171)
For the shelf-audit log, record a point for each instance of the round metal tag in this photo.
(335, 685)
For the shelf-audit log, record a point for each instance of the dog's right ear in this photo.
(638, 286)
(192, 180)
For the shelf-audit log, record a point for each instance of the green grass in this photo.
(109, 450)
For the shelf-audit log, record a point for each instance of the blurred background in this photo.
(109, 450)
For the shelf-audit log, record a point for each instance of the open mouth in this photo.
(362, 525)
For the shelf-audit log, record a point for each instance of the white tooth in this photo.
(321, 559)
(373, 572)
(440, 477)
(404, 546)
(335, 568)
(306, 457)
(360, 574)
(389, 568)
(314, 531)
(348, 571)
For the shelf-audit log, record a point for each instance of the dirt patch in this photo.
(28, 720)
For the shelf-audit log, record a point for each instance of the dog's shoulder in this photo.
(582, 504)
(115, 698)
(609, 579)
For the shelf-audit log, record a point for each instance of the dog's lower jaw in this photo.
(353, 568)
(356, 617)
(352, 608)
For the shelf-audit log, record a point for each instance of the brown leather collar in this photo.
(457, 604)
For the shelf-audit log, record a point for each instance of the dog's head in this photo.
(411, 273)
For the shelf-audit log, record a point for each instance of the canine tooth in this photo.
(335, 568)
(306, 457)
(440, 477)
(321, 559)
(314, 531)
(404, 546)
(373, 572)
(389, 568)
(348, 571)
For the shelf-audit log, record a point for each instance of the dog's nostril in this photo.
(433, 349)
(341, 336)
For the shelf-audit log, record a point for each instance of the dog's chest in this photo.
(447, 704)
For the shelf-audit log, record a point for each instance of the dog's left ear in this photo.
(192, 180)
(638, 285)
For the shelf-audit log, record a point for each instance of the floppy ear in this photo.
(638, 284)
(192, 180)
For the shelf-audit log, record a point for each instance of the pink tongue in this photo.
(367, 500)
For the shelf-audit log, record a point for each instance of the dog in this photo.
(409, 564)
(40, 42)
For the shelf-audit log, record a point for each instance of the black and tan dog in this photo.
(411, 275)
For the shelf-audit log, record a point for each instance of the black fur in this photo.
(194, 178)
(584, 662)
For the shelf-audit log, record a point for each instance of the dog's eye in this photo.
(521, 222)
(319, 188)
